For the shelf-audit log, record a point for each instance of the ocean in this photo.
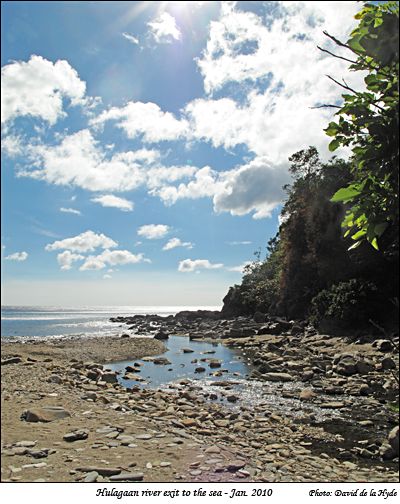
(19, 322)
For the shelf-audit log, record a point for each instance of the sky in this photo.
(145, 144)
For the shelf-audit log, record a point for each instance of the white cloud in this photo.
(189, 265)
(70, 210)
(164, 29)
(11, 145)
(147, 119)
(256, 186)
(205, 184)
(176, 242)
(84, 242)
(153, 231)
(79, 161)
(17, 256)
(109, 200)
(112, 258)
(37, 88)
(66, 258)
(106, 276)
(131, 38)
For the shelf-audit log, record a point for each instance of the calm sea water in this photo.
(55, 321)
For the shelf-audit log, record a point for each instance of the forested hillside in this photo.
(334, 260)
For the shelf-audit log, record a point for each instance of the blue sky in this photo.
(145, 144)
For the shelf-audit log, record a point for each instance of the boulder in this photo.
(109, 377)
(45, 414)
(12, 360)
(383, 345)
(161, 361)
(161, 335)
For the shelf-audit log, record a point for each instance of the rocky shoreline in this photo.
(65, 417)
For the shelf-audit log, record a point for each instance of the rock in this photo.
(232, 398)
(278, 377)
(161, 335)
(126, 476)
(109, 377)
(55, 379)
(144, 437)
(125, 440)
(76, 435)
(215, 364)
(200, 369)
(12, 360)
(45, 414)
(91, 477)
(306, 395)
(92, 374)
(387, 452)
(125, 335)
(188, 422)
(26, 444)
(103, 471)
(364, 367)
(37, 454)
(235, 465)
(162, 361)
(332, 405)
(383, 345)
(346, 366)
(394, 440)
(187, 350)
(388, 363)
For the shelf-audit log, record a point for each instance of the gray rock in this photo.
(388, 363)
(235, 465)
(162, 361)
(76, 435)
(128, 477)
(161, 335)
(278, 377)
(91, 477)
(103, 471)
(364, 367)
(45, 414)
(187, 350)
(200, 369)
(109, 377)
(383, 345)
(55, 379)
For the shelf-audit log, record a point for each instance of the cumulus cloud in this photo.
(70, 210)
(176, 242)
(164, 29)
(66, 258)
(37, 88)
(112, 258)
(84, 242)
(153, 231)
(147, 119)
(17, 256)
(131, 38)
(189, 265)
(11, 145)
(109, 200)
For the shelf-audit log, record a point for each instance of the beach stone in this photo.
(306, 395)
(144, 437)
(162, 361)
(37, 454)
(109, 377)
(103, 471)
(91, 477)
(383, 345)
(187, 350)
(200, 369)
(388, 363)
(11, 360)
(215, 364)
(126, 440)
(76, 435)
(232, 398)
(128, 477)
(278, 377)
(364, 367)
(45, 414)
(26, 444)
(55, 379)
(235, 465)
(394, 440)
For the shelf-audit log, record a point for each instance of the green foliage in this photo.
(368, 123)
(346, 303)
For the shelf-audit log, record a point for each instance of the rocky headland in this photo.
(325, 409)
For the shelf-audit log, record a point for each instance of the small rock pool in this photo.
(188, 359)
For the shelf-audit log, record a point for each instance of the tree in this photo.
(368, 122)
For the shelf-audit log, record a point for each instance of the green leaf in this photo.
(346, 193)
(378, 22)
(359, 234)
(374, 243)
(334, 145)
